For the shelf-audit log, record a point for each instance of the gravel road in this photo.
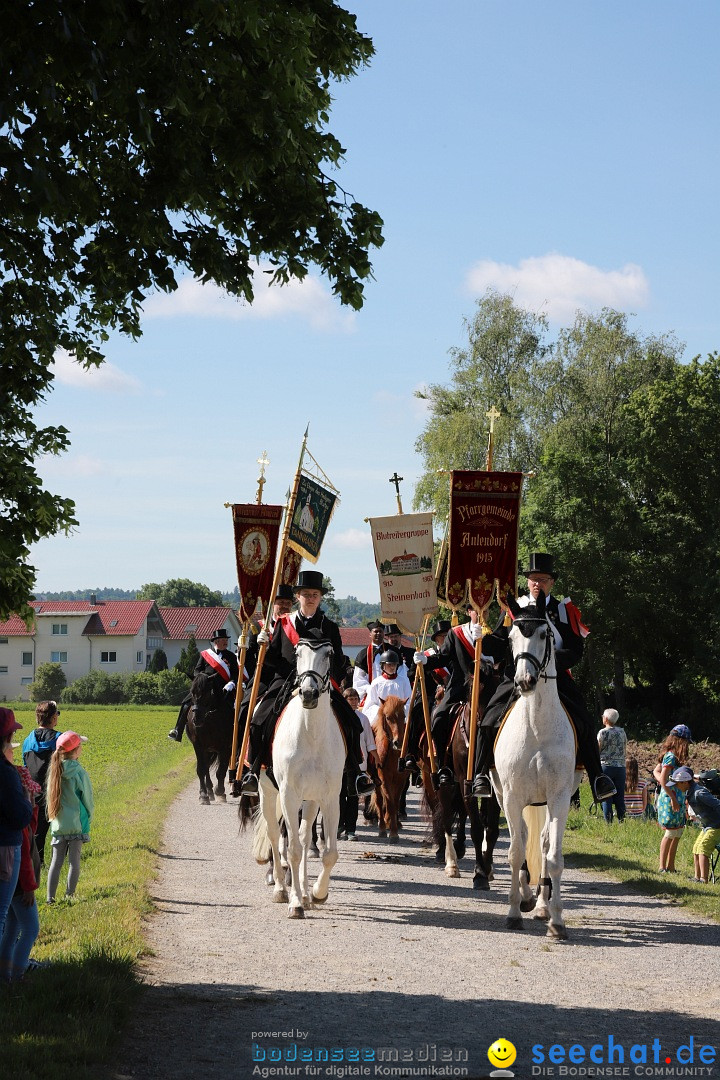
(406, 963)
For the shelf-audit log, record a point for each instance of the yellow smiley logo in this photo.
(502, 1053)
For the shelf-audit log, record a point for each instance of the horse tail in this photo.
(247, 808)
(261, 846)
(534, 817)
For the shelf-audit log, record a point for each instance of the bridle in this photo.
(539, 665)
(322, 682)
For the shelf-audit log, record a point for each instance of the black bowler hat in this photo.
(442, 626)
(392, 628)
(216, 634)
(285, 592)
(310, 579)
(541, 563)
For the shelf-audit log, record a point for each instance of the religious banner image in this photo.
(484, 517)
(403, 546)
(314, 507)
(290, 567)
(257, 528)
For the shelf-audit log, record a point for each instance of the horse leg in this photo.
(460, 841)
(291, 806)
(201, 770)
(309, 812)
(391, 801)
(269, 811)
(477, 832)
(542, 912)
(443, 820)
(331, 819)
(223, 760)
(557, 819)
(516, 856)
(491, 815)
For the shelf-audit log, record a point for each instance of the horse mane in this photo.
(391, 709)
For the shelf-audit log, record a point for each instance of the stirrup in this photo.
(249, 784)
(363, 784)
(445, 775)
(175, 735)
(481, 787)
(603, 782)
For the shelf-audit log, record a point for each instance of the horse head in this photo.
(313, 665)
(531, 641)
(204, 693)
(391, 717)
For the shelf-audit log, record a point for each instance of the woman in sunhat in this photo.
(674, 752)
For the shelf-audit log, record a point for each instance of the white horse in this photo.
(535, 767)
(308, 758)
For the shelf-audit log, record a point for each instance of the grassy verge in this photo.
(64, 1021)
(629, 852)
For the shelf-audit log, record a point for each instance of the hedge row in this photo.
(141, 688)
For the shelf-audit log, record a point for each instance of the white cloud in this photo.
(107, 378)
(310, 300)
(559, 284)
(354, 539)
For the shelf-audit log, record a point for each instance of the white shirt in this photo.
(381, 688)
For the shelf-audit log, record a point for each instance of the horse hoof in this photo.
(204, 800)
(296, 913)
(541, 914)
(557, 932)
(270, 878)
(481, 883)
(528, 905)
(452, 871)
(221, 798)
(394, 838)
(382, 833)
(319, 900)
(280, 896)
(211, 796)
(514, 922)
(307, 903)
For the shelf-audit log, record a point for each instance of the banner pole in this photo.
(276, 581)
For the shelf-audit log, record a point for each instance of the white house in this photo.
(82, 636)
(199, 621)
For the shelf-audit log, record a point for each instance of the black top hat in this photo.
(216, 634)
(285, 592)
(392, 628)
(541, 563)
(442, 626)
(310, 579)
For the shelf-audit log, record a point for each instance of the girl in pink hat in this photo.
(70, 809)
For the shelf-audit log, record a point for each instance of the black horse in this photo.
(210, 730)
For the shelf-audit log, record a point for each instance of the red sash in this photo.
(216, 663)
(293, 637)
(458, 631)
(370, 658)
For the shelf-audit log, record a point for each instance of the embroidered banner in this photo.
(257, 528)
(313, 509)
(403, 546)
(290, 567)
(484, 517)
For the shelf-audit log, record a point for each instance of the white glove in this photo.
(229, 686)
(419, 658)
(263, 637)
(475, 631)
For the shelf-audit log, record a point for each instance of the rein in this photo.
(539, 665)
(322, 682)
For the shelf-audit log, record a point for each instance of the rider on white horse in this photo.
(279, 670)
(568, 631)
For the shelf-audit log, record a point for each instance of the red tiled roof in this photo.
(203, 619)
(14, 627)
(354, 636)
(118, 618)
(64, 607)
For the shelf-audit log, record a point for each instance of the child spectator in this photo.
(70, 808)
(706, 808)
(37, 750)
(671, 800)
(22, 924)
(636, 790)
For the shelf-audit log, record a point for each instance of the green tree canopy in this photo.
(48, 684)
(180, 592)
(141, 140)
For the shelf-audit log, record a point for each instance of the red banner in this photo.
(484, 517)
(257, 528)
(290, 567)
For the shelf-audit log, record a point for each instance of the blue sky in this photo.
(564, 152)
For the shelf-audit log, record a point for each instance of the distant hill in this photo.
(85, 594)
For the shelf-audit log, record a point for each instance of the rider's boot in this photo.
(177, 732)
(481, 786)
(256, 754)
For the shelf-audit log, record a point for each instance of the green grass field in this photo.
(65, 1020)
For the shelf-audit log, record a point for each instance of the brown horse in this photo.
(389, 729)
(210, 731)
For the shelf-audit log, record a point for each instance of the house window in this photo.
(59, 628)
(3, 641)
(154, 643)
(27, 659)
(108, 657)
(59, 657)
(25, 682)
(139, 657)
(3, 670)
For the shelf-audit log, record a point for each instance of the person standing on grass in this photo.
(16, 811)
(671, 800)
(706, 808)
(612, 742)
(70, 809)
(22, 924)
(37, 750)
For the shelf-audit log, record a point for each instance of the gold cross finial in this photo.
(262, 462)
(494, 415)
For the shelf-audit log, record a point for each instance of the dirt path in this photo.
(403, 962)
